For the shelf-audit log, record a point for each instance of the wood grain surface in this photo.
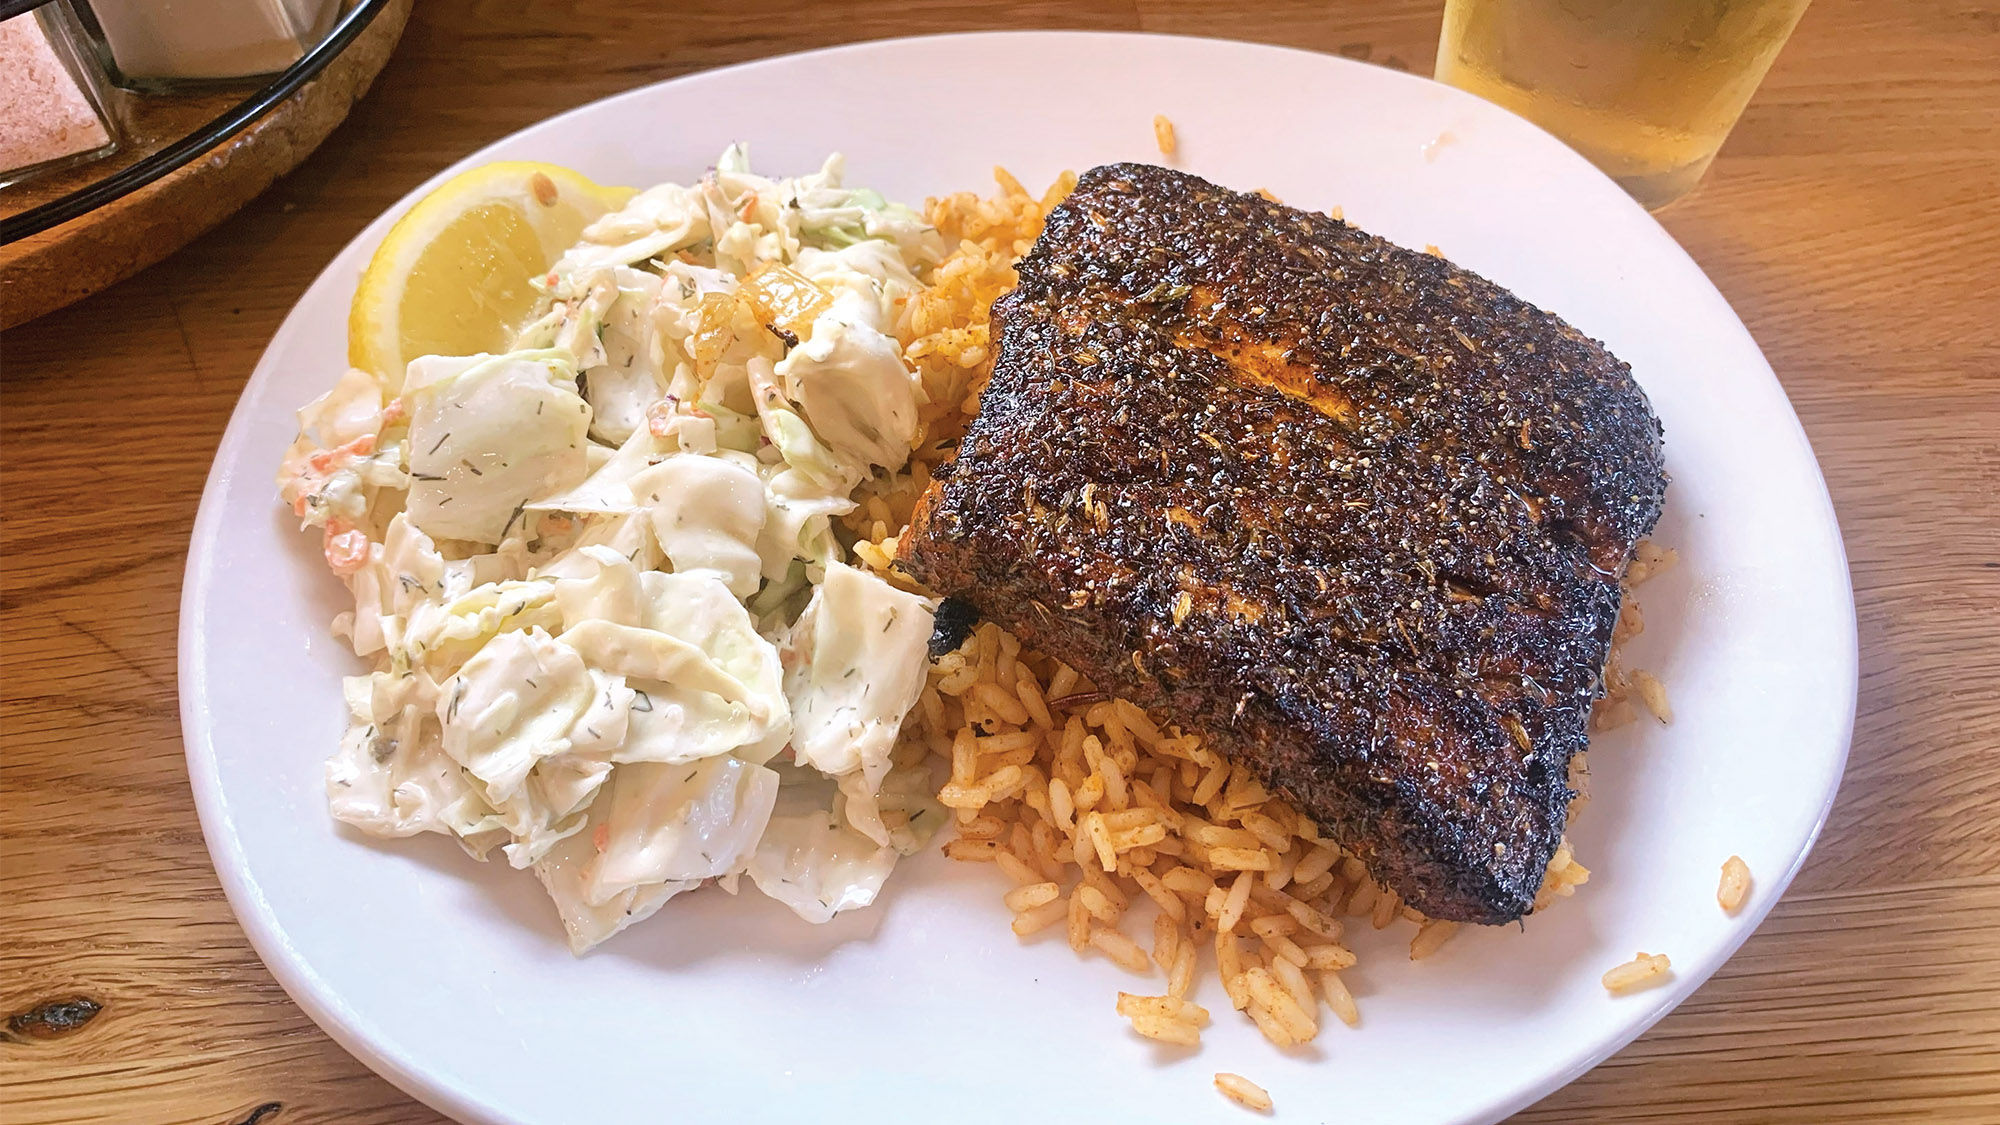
(1852, 220)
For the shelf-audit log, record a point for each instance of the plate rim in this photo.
(358, 1035)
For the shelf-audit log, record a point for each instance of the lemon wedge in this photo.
(452, 276)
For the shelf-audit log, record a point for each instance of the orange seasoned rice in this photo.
(1096, 812)
(1642, 971)
(1735, 885)
(1243, 1092)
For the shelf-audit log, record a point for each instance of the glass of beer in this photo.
(1646, 89)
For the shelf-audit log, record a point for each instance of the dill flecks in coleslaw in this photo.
(612, 632)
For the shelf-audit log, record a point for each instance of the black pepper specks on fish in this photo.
(1355, 515)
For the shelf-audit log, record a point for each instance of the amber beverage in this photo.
(1646, 89)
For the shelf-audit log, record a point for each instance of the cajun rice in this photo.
(1642, 971)
(1735, 885)
(1243, 1092)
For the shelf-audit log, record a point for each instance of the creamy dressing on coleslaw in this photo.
(611, 630)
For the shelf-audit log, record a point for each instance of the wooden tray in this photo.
(43, 272)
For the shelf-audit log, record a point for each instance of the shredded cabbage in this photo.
(612, 634)
(851, 384)
(810, 859)
(857, 667)
(798, 523)
(676, 822)
(517, 701)
(391, 775)
(566, 873)
(487, 435)
(707, 513)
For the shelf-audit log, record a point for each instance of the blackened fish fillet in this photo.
(1354, 514)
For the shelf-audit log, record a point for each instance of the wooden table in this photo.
(1852, 220)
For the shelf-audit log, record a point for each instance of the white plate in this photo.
(451, 978)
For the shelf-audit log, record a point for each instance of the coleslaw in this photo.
(611, 630)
